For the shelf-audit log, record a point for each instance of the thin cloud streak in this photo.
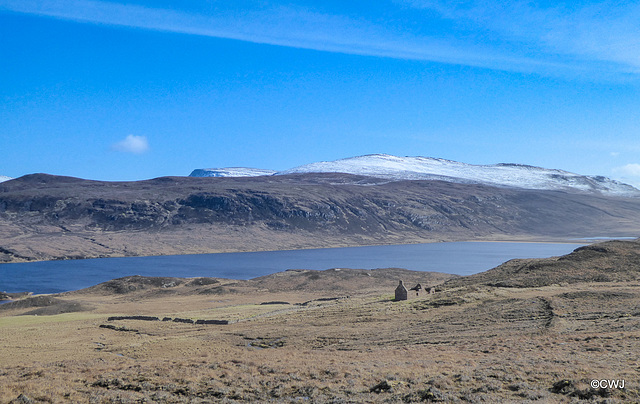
(282, 26)
(604, 31)
(299, 28)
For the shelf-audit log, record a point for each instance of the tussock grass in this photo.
(490, 344)
(18, 321)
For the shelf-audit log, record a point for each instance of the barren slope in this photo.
(611, 261)
(47, 217)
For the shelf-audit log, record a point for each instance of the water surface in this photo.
(462, 258)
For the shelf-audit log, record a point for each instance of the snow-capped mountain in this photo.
(426, 168)
(4, 178)
(230, 172)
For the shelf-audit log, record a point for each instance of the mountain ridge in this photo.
(429, 168)
(46, 217)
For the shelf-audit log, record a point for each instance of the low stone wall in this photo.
(143, 318)
(175, 320)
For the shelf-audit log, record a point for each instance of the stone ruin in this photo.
(401, 292)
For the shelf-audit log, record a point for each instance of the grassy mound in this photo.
(611, 261)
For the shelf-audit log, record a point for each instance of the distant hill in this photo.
(4, 178)
(427, 168)
(336, 280)
(611, 261)
(346, 280)
(44, 217)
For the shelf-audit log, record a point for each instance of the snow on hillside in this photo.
(4, 178)
(427, 168)
(511, 175)
(230, 172)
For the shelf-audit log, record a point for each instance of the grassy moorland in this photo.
(336, 336)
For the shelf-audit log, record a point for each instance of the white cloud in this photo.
(132, 144)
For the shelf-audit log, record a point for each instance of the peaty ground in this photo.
(336, 336)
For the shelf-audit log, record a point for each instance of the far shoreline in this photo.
(514, 239)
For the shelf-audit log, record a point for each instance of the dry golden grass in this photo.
(471, 344)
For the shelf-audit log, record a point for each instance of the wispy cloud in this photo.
(596, 34)
(132, 144)
(603, 37)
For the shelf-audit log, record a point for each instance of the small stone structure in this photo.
(401, 292)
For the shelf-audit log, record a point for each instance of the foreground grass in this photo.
(472, 344)
(20, 321)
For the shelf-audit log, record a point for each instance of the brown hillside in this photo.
(44, 217)
(611, 261)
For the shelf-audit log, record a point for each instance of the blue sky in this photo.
(117, 90)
